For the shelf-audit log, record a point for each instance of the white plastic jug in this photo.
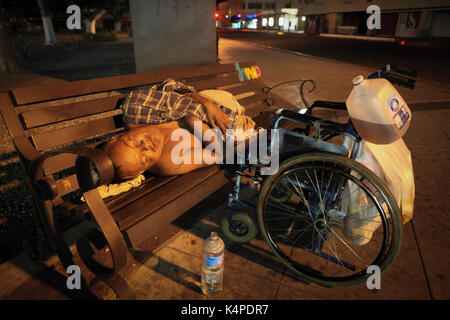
(378, 111)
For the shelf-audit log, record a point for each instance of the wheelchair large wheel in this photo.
(339, 219)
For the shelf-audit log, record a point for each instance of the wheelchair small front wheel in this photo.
(239, 227)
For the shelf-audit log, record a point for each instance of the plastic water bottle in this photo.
(212, 267)
(378, 111)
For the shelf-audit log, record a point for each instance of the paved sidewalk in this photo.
(168, 266)
(412, 42)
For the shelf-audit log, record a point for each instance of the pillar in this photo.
(171, 34)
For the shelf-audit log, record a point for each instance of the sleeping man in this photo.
(165, 126)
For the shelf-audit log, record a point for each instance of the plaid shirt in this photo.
(165, 102)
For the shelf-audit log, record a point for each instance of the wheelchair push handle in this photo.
(407, 83)
(411, 73)
(396, 79)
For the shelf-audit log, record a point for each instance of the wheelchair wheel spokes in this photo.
(339, 219)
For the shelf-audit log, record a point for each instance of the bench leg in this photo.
(47, 224)
(53, 233)
(37, 248)
(108, 234)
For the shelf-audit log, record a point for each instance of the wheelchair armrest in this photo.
(327, 105)
(310, 121)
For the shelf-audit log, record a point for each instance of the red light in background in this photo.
(217, 15)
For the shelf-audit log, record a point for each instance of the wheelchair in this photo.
(324, 215)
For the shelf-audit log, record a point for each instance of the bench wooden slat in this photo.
(148, 226)
(214, 83)
(70, 111)
(118, 202)
(140, 209)
(255, 110)
(115, 203)
(246, 86)
(59, 162)
(250, 99)
(62, 161)
(67, 185)
(9, 115)
(51, 139)
(62, 90)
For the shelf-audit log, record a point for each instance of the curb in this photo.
(423, 44)
(438, 44)
(279, 32)
(367, 38)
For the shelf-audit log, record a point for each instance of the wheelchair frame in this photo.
(302, 142)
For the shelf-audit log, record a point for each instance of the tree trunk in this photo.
(7, 60)
(118, 26)
(87, 23)
(49, 31)
(90, 24)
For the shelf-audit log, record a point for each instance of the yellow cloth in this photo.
(118, 188)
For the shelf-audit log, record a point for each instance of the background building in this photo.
(400, 18)
(259, 14)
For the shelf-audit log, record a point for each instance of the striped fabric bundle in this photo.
(165, 102)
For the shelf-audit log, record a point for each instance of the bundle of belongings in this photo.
(393, 165)
(166, 102)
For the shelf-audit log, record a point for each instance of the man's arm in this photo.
(216, 117)
(188, 123)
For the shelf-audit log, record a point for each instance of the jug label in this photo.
(401, 117)
(214, 261)
(394, 102)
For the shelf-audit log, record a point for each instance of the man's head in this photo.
(135, 151)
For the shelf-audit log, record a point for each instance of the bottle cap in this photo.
(357, 80)
(214, 236)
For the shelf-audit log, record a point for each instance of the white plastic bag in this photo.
(362, 218)
(393, 165)
(396, 171)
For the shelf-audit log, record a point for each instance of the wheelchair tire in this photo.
(319, 233)
(241, 229)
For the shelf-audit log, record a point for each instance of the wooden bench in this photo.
(55, 129)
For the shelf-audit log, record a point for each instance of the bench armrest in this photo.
(45, 187)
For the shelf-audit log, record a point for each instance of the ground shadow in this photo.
(85, 61)
(200, 221)
(169, 270)
(430, 106)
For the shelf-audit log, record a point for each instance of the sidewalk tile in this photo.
(403, 280)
